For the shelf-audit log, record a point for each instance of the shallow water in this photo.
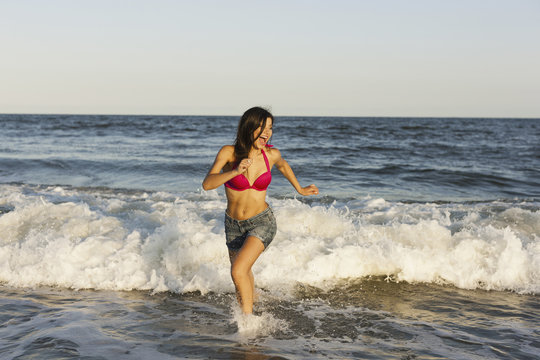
(370, 319)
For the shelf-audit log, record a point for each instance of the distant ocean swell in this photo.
(134, 173)
(159, 241)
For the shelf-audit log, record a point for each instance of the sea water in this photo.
(424, 242)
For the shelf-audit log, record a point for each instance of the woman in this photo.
(244, 168)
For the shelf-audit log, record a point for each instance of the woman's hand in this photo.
(243, 166)
(309, 190)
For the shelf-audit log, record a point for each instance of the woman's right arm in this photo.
(215, 178)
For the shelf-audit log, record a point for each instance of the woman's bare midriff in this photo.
(242, 205)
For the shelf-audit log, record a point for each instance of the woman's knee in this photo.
(239, 272)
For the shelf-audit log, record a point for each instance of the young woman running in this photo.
(245, 168)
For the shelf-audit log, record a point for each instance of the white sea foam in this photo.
(164, 242)
(251, 326)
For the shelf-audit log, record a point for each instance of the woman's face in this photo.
(265, 135)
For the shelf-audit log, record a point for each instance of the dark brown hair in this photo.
(249, 122)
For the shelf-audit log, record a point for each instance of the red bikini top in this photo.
(241, 183)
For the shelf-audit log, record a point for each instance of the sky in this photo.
(426, 58)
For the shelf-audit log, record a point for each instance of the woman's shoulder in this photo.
(227, 148)
(273, 153)
(227, 151)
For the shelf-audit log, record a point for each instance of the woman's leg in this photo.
(241, 273)
(232, 256)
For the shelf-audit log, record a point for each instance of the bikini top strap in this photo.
(266, 160)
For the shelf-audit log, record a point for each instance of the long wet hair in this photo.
(249, 122)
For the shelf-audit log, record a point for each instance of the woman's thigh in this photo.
(248, 253)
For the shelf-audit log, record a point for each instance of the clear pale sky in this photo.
(345, 58)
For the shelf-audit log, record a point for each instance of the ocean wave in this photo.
(123, 240)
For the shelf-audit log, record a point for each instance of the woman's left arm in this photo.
(284, 167)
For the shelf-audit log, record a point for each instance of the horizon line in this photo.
(292, 116)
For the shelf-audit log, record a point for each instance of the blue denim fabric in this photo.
(262, 226)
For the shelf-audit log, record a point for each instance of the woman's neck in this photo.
(254, 152)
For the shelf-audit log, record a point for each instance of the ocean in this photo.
(424, 242)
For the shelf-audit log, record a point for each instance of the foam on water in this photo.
(251, 326)
(104, 239)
